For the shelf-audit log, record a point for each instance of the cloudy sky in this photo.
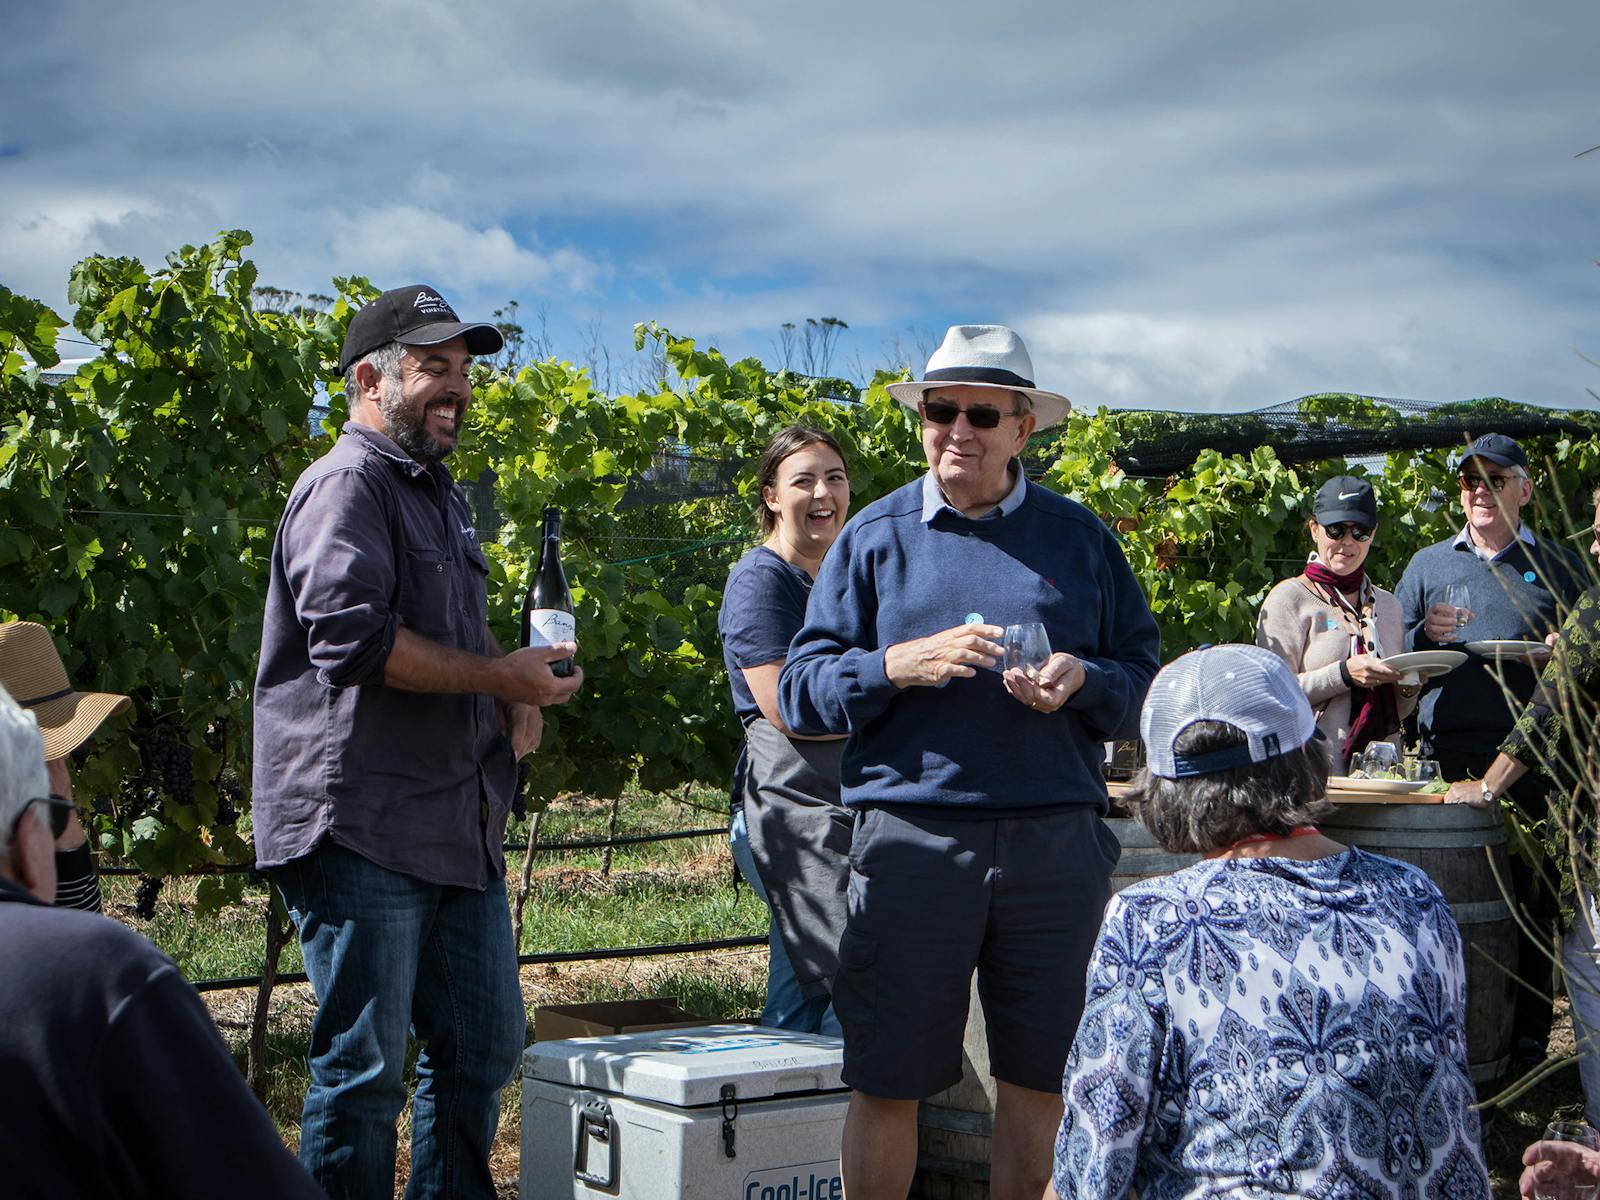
(1205, 206)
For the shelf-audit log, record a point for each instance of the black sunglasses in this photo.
(1337, 532)
(61, 810)
(1471, 483)
(979, 416)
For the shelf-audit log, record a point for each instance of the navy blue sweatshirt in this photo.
(969, 746)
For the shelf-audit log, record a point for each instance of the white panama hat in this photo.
(985, 356)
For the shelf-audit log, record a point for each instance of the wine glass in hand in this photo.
(1459, 597)
(1027, 649)
(1568, 1188)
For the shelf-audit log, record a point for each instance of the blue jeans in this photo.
(786, 1007)
(388, 954)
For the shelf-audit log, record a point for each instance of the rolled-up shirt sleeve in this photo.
(339, 562)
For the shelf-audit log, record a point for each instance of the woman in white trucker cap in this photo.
(1284, 1017)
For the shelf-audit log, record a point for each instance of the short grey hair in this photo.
(23, 778)
(386, 358)
(1202, 813)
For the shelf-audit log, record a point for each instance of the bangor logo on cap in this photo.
(433, 305)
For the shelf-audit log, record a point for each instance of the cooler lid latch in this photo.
(596, 1124)
(730, 1113)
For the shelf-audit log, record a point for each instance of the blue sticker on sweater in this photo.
(1529, 576)
(974, 619)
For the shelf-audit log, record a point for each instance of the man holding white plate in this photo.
(1493, 583)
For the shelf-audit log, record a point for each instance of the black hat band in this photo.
(998, 376)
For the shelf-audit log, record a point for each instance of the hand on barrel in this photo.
(1468, 791)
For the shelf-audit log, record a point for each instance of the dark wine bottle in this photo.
(547, 609)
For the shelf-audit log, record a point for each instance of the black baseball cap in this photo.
(1496, 448)
(413, 316)
(1346, 498)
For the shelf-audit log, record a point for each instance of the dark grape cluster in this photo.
(144, 897)
(229, 797)
(166, 767)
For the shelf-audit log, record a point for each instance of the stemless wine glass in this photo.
(1422, 770)
(1583, 1135)
(1380, 760)
(1027, 648)
(1459, 597)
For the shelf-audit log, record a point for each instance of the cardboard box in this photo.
(720, 1112)
(557, 1022)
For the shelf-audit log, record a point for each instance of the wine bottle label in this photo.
(547, 626)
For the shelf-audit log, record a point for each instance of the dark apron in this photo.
(800, 838)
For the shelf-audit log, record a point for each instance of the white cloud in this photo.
(1227, 204)
(402, 241)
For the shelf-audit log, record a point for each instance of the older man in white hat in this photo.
(978, 793)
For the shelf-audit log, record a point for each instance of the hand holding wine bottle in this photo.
(545, 672)
(547, 608)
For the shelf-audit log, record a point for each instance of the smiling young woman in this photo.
(790, 835)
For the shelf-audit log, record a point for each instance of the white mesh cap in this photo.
(1245, 686)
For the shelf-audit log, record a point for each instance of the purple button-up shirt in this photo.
(416, 782)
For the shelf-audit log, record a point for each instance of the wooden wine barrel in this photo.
(1141, 856)
(1463, 850)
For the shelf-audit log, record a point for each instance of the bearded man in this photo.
(387, 728)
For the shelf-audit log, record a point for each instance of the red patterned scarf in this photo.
(1375, 712)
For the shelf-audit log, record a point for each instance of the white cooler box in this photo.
(717, 1112)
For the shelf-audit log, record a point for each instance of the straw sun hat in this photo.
(31, 670)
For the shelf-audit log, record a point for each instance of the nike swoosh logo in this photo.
(1348, 495)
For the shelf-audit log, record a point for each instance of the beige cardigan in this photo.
(1314, 637)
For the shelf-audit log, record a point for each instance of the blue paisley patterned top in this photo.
(1270, 1027)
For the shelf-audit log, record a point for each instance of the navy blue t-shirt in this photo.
(763, 607)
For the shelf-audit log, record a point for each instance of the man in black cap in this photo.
(387, 729)
(1495, 580)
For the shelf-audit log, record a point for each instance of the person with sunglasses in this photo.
(977, 792)
(32, 670)
(1520, 587)
(117, 1083)
(1333, 626)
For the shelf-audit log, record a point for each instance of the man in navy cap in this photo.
(1495, 580)
(387, 729)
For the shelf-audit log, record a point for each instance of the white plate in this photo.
(1425, 664)
(1515, 651)
(1390, 786)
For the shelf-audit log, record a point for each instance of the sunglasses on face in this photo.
(979, 416)
(61, 810)
(1471, 483)
(1337, 532)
